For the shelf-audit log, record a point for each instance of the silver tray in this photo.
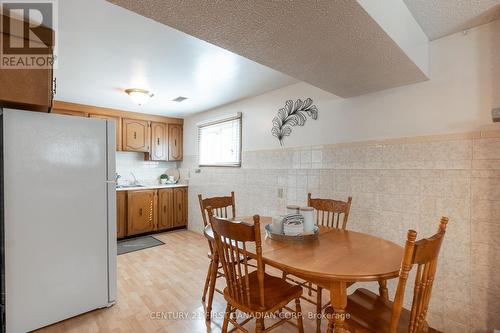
(291, 239)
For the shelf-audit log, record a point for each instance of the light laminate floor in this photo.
(159, 290)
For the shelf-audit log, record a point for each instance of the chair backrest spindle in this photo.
(219, 206)
(231, 239)
(423, 253)
(329, 212)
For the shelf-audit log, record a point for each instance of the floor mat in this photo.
(136, 244)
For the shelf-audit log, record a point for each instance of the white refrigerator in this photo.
(59, 218)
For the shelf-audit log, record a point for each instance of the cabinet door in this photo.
(29, 89)
(159, 141)
(118, 127)
(136, 135)
(180, 206)
(141, 211)
(174, 142)
(121, 214)
(165, 209)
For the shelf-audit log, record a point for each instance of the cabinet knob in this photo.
(135, 135)
(158, 141)
(140, 211)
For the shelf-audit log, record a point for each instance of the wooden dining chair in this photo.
(254, 293)
(221, 207)
(331, 214)
(370, 312)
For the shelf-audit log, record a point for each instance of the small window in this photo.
(219, 142)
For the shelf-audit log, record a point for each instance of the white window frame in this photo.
(227, 118)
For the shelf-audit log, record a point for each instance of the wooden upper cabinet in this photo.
(27, 89)
(165, 209)
(121, 214)
(180, 206)
(174, 142)
(136, 135)
(141, 212)
(70, 112)
(159, 142)
(118, 127)
(160, 137)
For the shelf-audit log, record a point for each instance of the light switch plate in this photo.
(495, 114)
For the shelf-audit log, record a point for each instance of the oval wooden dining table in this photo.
(338, 257)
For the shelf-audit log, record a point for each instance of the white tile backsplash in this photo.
(146, 172)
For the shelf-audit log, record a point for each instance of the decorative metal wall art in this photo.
(293, 114)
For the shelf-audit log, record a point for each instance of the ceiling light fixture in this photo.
(139, 96)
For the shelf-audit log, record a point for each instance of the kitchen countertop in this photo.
(150, 187)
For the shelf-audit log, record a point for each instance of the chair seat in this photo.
(371, 313)
(277, 293)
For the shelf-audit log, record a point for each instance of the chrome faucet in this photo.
(135, 179)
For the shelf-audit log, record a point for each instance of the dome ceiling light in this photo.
(139, 96)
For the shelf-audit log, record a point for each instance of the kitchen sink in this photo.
(128, 186)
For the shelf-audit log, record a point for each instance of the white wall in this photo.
(464, 85)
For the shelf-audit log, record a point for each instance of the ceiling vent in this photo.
(179, 99)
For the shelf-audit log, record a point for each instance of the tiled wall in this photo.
(396, 185)
(146, 172)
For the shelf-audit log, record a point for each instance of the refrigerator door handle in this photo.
(111, 189)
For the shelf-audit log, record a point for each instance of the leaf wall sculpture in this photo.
(293, 114)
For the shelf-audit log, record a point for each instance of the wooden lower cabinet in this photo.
(165, 208)
(145, 211)
(180, 206)
(141, 206)
(121, 214)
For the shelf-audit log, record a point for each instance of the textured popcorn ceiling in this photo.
(440, 18)
(333, 45)
(131, 51)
